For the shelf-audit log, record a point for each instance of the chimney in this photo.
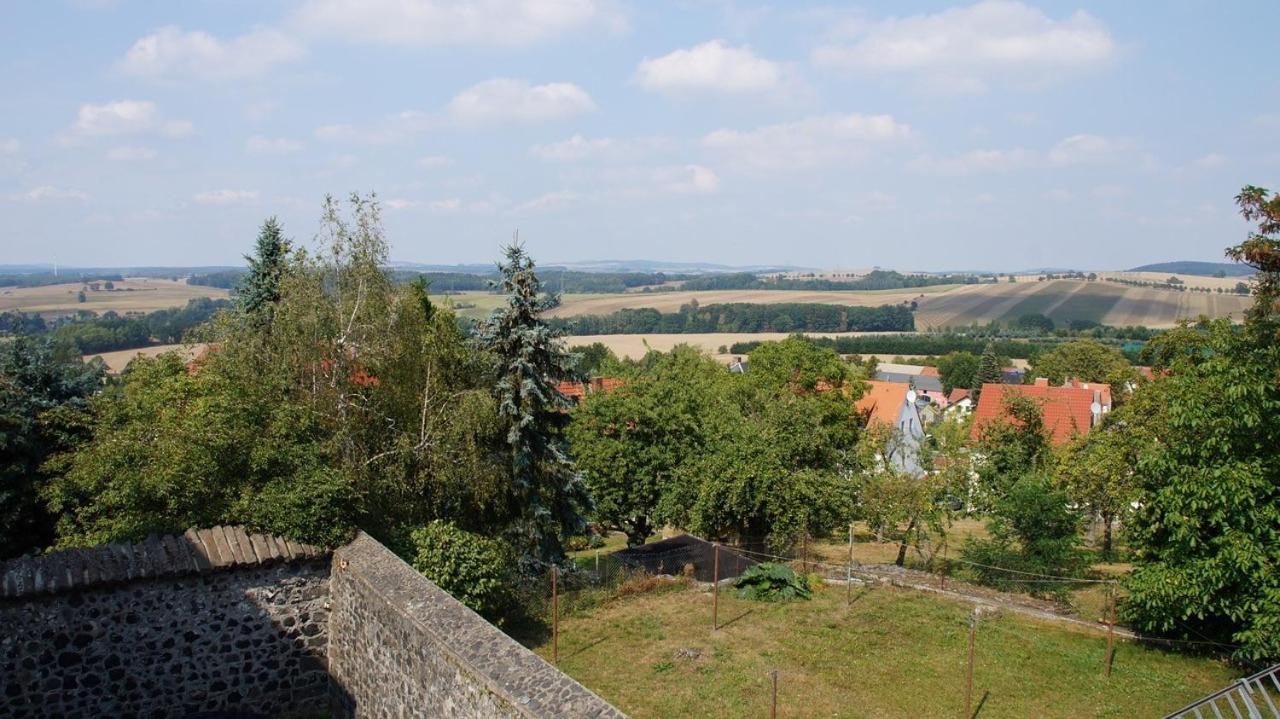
(1042, 381)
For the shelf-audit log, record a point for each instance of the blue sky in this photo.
(925, 135)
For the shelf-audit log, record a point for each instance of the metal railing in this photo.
(1245, 698)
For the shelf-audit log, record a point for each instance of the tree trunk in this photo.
(902, 545)
(1108, 520)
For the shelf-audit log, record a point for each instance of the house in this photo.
(924, 384)
(893, 404)
(738, 365)
(960, 400)
(1102, 390)
(575, 391)
(1068, 411)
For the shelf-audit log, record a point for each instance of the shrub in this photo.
(315, 507)
(772, 582)
(476, 570)
(1034, 532)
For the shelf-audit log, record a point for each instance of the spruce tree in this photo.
(988, 370)
(260, 288)
(547, 496)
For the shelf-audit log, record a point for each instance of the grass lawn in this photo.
(892, 653)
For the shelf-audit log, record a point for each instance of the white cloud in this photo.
(10, 146)
(1210, 161)
(976, 161)
(713, 67)
(549, 201)
(47, 193)
(507, 100)
(687, 180)
(399, 203)
(126, 117)
(1086, 149)
(965, 49)
(455, 204)
(579, 148)
(431, 161)
(453, 22)
(172, 54)
(127, 153)
(392, 129)
(808, 143)
(272, 145)
(226, 197)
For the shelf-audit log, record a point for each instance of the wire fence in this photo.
(592, 579)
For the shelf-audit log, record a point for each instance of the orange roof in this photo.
(957, 394)
(578, 390)
(1101, 387)
(883, 401)
(1066, 409)
(930, 372)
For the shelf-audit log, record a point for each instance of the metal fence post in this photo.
(715, 589)
(773, 703)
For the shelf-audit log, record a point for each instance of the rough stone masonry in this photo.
(221, 620)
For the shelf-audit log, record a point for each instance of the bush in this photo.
(476, 570)
(1033, 532)
(315, 507)
(772, 582)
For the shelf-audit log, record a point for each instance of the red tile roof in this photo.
(1102, 387)
(957, 394)
(1066, 409)
(930, 372)
(883, 401)
(578, 390)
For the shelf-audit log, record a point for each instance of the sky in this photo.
(995, 135)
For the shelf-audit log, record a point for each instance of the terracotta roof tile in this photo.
(1066, 409)
(883, 401)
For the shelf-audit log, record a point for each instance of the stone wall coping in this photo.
(195, 551)
(534, 688)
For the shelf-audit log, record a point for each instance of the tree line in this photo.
(745, 317)
(874, 280)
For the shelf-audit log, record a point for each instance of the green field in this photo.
(891, 653)
(1063, 300)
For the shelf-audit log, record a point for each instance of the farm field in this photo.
(891, 653)
(1226, 283)
(118, 360)
(131, 295)
(635, 346)
(939, 306)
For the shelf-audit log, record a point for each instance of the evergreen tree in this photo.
(547, 496)
(988, 370)
(260, 288)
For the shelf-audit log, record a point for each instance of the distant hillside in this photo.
(1205, 269)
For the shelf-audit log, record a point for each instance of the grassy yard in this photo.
(892, 653)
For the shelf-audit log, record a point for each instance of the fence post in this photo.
(597, 565)
(773, 702)
(943, 573)
(555, 616)
(804, 562)
(848, 572)
(968, 677)
(715, 589)
(1111, 626)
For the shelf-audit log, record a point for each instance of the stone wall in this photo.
(218, 620)
(400, 646)
(215, 620)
